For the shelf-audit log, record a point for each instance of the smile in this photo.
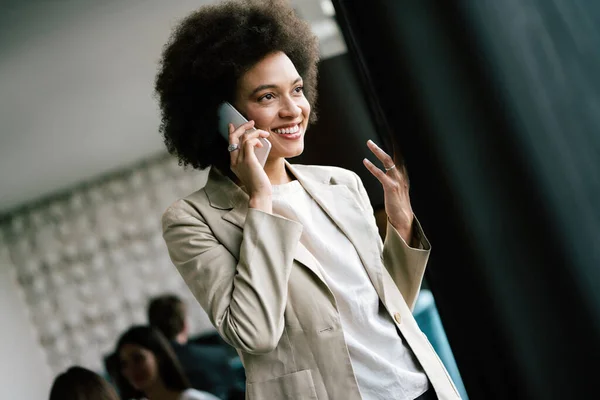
(288, 131)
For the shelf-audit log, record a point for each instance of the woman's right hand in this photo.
(246, 166)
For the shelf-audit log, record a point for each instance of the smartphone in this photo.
(229, 115)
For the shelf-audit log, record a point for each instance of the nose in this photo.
(289, 109)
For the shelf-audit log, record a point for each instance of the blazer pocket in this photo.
(295, 386)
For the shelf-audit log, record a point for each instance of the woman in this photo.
(78, 383)
(286, 260)
(149, 369)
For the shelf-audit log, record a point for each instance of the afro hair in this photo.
(205, 57)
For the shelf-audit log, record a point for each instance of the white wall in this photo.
(76, 90)
(24, 373)
(76, 87)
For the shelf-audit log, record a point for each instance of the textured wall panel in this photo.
(87, 262)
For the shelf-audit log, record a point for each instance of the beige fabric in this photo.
(264, 292)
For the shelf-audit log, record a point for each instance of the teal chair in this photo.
(429, 321)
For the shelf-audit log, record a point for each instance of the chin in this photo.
(296, 150)
(287, 151)
(291, 154)
(295, 153)
(140, 385)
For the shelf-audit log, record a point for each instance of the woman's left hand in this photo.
(395, 187)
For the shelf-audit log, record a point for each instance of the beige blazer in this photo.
(266, 296)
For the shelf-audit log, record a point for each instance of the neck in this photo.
(277, 172)
(158, 391)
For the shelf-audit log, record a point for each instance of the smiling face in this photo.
(139, 366)
(271, 94)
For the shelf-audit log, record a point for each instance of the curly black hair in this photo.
(204, 58)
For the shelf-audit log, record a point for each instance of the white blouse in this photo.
(193, 394)
(384, 366)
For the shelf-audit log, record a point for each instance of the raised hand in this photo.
(395, 187)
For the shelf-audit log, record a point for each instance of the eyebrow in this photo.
(271, 86)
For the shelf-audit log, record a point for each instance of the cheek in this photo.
(146, 369)
(152, 369)
(263, 118)
(141, 371)
(305, 106)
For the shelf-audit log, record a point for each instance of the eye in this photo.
(268, 96)
(299, 89)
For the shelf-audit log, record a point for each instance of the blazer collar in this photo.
(224, 194)
(336, 200)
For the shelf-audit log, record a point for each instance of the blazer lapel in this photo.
(223, 194)
(343, 209)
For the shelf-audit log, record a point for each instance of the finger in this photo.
(252, 134)
(259, 133)
(380, 154)
(376, 172)
(247, 152)
(234, 139)
(242, 153)
(404, 174)
(252, 143)
(235, 134)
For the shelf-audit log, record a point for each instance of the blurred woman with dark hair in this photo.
(78, 383)
(150, 370)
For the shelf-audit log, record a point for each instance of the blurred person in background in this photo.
(286, 259)
(206, 367)
(149, 369)
(78, 383)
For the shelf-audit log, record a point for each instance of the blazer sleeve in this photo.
(405, 264)
(245, 300)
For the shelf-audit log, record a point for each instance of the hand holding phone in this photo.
(253, 177)
(229, 115)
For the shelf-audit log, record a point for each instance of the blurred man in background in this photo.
(206, 366)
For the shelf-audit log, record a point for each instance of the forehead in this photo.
(275, 68)
(129, 349)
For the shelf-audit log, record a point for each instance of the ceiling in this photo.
(76, 80)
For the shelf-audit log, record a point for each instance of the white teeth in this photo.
(287, 131)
